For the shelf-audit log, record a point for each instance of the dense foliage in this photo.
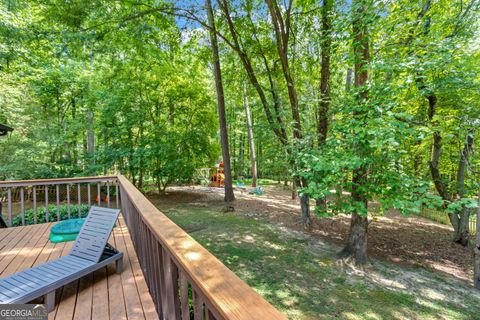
(379, 100)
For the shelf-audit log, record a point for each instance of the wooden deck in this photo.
(101, 295)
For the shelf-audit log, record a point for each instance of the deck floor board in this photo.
(101, 295)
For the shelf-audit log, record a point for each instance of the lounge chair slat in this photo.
(99, 228)
(107, 211)
(74, 261)
(101, 218)
(59, 268)
(65, 265)
(3, 297)
(21, 283)
(79, 260)
(6, 290)
(10, 287)
(28, 277)
(45, 269)
(36, 273)
(16, 280)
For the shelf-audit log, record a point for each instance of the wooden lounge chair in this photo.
(90, 252)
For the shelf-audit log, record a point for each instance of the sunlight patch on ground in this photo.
(422, 283)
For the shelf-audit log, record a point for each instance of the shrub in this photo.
(52, 214)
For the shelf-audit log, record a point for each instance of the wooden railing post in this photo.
(185, 308)
(108, 194)
(99, 194)
(89, 196)
(34, 191)
(116, 195)
(57, 190)
(171, 286)
(68, 200)
(46, 203)
(9, 204)
(79, 197)
(22, 205)
(197, 306)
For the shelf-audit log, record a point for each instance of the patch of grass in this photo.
(304, 281)
(261, 182)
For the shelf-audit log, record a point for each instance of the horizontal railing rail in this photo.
(43, 182)
(185, 280)
(18, 197)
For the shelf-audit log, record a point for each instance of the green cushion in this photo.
(55, 238)
(66, 230)
(68, 226)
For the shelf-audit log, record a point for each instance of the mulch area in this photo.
(405, 240)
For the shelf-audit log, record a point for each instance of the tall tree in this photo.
(326, 44)
(324, 105)
(281, 24)
(229, 195)
(251, 140)
(452, 196)
(356, 245)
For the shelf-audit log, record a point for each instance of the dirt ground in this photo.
(404, 240)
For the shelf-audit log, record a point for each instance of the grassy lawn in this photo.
(260, 182)
(301, 277)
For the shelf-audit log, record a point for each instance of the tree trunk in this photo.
(460, 218)
(305, 207)
(461, 229)
(74, 134)
(241, 155)
(251, 140)
(159, 184)
(462, 234)
(67, 156)
(232, 146)
(294, 189)
(322, 124)
(348, 80)
(476, 250)
(322, 116)
(141, 166)
(91, 134)
(229, 195)
(356, 246)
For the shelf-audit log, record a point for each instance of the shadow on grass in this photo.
(299, 275)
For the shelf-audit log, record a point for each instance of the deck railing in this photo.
(18, 196)
(185, 280)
